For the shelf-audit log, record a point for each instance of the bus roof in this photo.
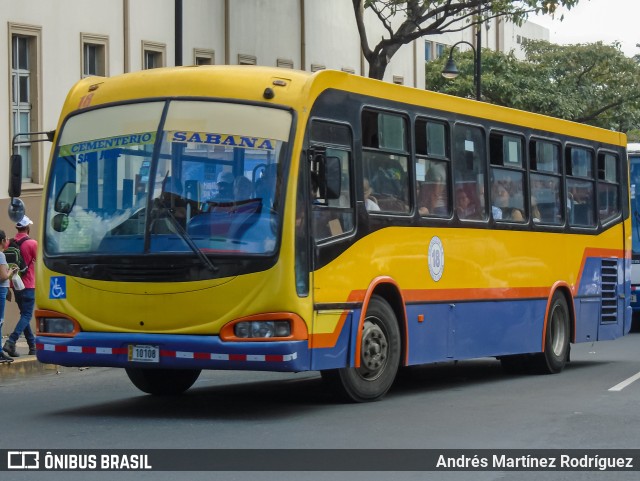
(298, 89)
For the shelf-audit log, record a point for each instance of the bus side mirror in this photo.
(15, 175)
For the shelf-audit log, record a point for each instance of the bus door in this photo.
(332, 224)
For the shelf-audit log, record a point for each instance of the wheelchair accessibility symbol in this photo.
(58, 287)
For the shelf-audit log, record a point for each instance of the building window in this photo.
(247, 59)
(428, 51)
(25, 88)
(440, 49)
(153, 55)
(94, 55)
(348, 70)
(203, 57)
(284, 63)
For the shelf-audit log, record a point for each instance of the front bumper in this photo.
(176, 352)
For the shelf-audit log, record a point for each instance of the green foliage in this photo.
(633, 135)
(590, 83)
(407, 20)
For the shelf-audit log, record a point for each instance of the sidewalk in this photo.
(24, 365)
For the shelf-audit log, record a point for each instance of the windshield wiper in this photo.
(187, 238)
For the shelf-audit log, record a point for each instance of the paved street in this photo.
(470, 405)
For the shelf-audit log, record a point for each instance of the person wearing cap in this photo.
(225, 186)
(5, 275)
(25, 298)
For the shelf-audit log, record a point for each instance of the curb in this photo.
(25, 366)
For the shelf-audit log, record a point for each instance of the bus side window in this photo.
(545, 183)
(507, 177)
(580, 186)
(432, 168)
(385, 159)
(608, 186)
(470, 169)
(334, 216)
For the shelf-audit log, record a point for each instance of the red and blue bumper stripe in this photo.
(176, 352)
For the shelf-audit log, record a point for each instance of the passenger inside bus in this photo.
(464, 208)
(225, 187)
(242, 188)
(370, 202)
(432, 196)
(501, 207)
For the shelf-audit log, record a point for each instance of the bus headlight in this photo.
(55, 325)
(262, 329)
(269, 326)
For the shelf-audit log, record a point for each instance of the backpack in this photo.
(14, 255)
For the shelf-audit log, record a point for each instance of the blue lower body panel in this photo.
(175, 352)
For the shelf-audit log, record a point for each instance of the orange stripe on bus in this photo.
(329, 340)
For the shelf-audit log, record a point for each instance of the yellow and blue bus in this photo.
(250, 218)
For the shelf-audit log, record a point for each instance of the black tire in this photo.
(379, 357)
(162, 382)
(557, 337)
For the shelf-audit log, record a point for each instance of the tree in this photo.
(590, 83)
(418, 18)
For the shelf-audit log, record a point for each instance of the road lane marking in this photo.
(625, 383)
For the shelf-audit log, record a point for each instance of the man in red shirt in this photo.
(25, 298)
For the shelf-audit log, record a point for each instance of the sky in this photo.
(594, 20)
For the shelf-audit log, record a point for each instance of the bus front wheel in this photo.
(162, 382)
(557, 336)
(380, 348)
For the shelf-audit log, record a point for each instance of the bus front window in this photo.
(179, 176)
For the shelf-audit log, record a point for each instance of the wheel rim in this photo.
(558, 331)
(374, 350)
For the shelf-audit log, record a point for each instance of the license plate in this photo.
(143, 353)
(633, 298)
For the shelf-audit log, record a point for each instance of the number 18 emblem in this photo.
(436, 258)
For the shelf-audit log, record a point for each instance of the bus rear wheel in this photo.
(557, 336)
(162, 382)
(380, 348)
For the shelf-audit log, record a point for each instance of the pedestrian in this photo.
(26, 298)
(5, 275)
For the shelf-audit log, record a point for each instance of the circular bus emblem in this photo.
(436, 258)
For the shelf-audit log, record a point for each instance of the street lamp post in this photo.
(451, 71)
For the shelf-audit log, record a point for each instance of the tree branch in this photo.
(593, 115)
(358, 10)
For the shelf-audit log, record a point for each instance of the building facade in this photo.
(51, 45)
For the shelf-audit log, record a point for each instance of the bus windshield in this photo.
(168, 176)
(634, 166)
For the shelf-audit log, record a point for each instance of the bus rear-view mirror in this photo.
(15, 175)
